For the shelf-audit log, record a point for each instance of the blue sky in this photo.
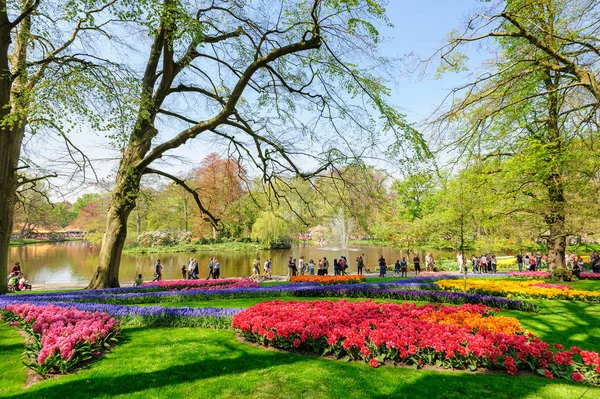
(419, 29)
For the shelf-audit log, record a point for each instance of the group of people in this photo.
(482, 264)
(301, 267)
(190, 270)
(267, 270)
(17, 281)
(530, 262)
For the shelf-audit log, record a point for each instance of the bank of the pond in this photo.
(27, 241)
(224, 246)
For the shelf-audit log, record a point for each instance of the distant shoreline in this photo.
(28, 241)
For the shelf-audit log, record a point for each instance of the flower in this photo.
(455, 336)
(374, 363)
(577, 376)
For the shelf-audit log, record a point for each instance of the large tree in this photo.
(523, 115)
(278, 84)
(45, 65)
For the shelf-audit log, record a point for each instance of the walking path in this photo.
(81, 285)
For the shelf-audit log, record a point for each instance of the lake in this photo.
(76, 261)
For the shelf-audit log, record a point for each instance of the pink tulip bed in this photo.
(543, 275)
(168, 285)
(60, 337)
(462, 337)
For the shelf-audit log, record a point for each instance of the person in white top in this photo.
(461, 262)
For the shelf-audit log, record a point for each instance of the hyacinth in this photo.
(61, 330)
(450, 336)
(415, 289)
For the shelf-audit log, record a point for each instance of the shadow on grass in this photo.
(566, 322)
(7, 348)
(89, 385)
(141, 369)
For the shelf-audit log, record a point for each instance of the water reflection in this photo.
(75, 261)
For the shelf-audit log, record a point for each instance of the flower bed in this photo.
(548, 285)
(465, 337)
(61, 337)
(536, 275)
(327, 280)
(400, 290)
(201, 284)
(543, 275)
(527, 289)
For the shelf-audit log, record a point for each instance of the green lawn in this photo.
(196, 363)
(200, 363)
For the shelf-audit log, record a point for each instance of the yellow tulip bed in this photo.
(524, 289)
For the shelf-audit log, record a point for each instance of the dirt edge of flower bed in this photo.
(480, 370)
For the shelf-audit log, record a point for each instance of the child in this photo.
(13, 283)
(183, 271)
(23, 283)
(403, 267)
(138, 281)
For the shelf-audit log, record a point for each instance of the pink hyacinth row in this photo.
(61, 330)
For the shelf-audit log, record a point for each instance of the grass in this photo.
(225, 246)
(196, 363)
(199, 363)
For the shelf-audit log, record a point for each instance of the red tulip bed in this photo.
(61, 337)
(462, 337)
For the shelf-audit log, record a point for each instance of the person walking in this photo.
(183, 272)
(360, 264)
(196, 270)
(217, 271)
(255, 270)
(336, 267)
(520, 261)
(291, 266)
(301, 265)
(403, 268)
(417, 264)
(397, 268)
(157, 271)
(211, 266)
(493, 264)
(461, 262)
(382, 266)
(190, 269)
(325, 266)
(429, 262)
(311, 267)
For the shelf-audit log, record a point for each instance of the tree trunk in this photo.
(555, 217)
(122, 202)
(11, 133)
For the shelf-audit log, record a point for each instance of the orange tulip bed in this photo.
(328, 280)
